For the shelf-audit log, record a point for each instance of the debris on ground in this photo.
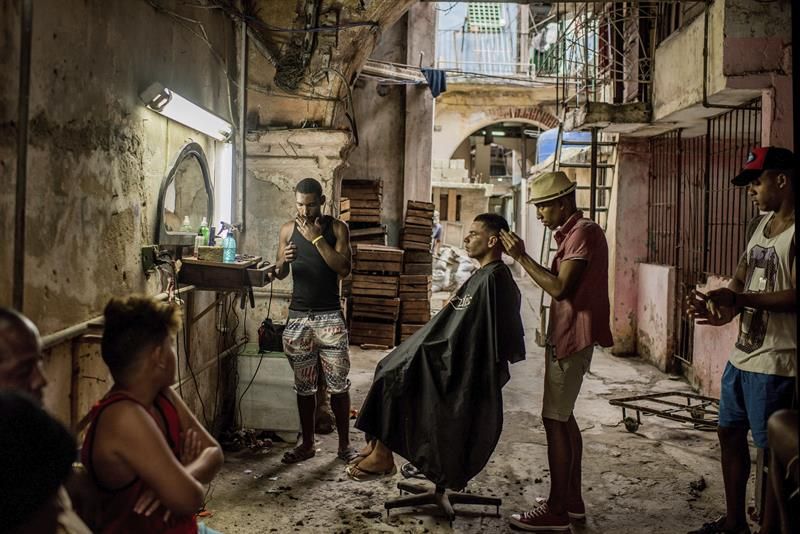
(247, 438)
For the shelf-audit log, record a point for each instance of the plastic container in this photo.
(187, 225)
(204, 231)
(229, 248)
(198, 242)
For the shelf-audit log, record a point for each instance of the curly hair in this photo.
(133, 324)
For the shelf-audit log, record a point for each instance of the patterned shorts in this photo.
(317, 340)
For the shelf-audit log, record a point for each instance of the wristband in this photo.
(314, 241)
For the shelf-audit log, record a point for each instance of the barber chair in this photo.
(440, 497)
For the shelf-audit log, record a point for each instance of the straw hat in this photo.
(549, 186)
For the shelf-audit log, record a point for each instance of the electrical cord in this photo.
(258, 366)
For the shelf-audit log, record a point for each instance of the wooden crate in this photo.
(377, 258)
(418, 268)
(373, 235)
(415, 287)
(372, 332)
(408, 329)
(415, 311)
(376, 308)
(366, 285)
(418, 256)
(422, 206)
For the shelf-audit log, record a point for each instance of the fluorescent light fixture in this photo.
(498, 133)
(223, 188)
(175, 107)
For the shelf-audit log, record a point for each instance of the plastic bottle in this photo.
(198, 242)
(204, 231)
(187, 225)
(229, 248)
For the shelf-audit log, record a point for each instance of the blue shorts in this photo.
(748, 399)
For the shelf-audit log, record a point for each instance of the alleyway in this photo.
(633, 483)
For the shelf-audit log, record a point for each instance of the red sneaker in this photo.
(540, 518)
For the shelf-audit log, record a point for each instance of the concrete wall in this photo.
(95, 163)
(712, 348)
(627, 240)
(749, 56)
(382, 127)
(655, 314)
(473, 203)
(420, 105)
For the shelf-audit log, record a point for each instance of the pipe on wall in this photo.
(26, 23)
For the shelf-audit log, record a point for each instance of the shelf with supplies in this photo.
(244, 274)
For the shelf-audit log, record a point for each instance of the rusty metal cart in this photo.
(702, 412)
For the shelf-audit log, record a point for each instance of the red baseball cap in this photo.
(762, 159)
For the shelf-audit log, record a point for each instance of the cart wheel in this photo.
(631, 424)
(697, 413)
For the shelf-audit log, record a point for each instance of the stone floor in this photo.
(633, 482)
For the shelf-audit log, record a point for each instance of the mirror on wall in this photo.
(185, 197)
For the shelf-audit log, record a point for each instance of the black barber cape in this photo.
(436, 399)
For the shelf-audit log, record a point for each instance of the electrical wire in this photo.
(258, 366)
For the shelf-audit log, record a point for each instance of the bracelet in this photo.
(314, 241)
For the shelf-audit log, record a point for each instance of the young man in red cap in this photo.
(759, 377)
(579, 319)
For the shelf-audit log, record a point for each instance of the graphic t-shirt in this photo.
(767, 340)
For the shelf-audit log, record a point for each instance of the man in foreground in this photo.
(436, 399)
(21, 370)
(759, 377)
(579, 318)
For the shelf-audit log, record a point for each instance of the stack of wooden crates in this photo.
(374, 294)
(415, 282)
(360, 208)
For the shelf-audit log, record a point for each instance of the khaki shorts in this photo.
(562, 382)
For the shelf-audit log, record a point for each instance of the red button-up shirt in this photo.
(582, 319)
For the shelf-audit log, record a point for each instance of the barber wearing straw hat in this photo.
(579, 318)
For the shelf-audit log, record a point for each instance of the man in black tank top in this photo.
(317, 248)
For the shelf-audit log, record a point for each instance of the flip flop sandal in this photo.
(349, 455)
(408, 470)
(360, 474)
(297, 455)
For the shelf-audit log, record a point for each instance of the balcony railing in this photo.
(501, 53)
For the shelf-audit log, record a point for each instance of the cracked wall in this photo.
(96, 159)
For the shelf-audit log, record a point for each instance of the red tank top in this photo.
(116, 512)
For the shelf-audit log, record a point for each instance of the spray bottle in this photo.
(228, 244)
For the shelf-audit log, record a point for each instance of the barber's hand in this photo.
(290, 252)
(513, 245)
(147, 503)
(702, 309)
(308, 228)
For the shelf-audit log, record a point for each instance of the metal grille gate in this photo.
(697, 219)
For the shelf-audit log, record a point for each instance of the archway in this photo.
(453, 124)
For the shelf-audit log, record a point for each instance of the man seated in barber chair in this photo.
(436, 399)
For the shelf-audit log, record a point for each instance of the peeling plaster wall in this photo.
(749, 56)
(627, 240)
(95, 164)
(655, 314)
(420, 105)
(682, 52)
(381, 128)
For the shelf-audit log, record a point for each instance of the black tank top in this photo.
(316, 285)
